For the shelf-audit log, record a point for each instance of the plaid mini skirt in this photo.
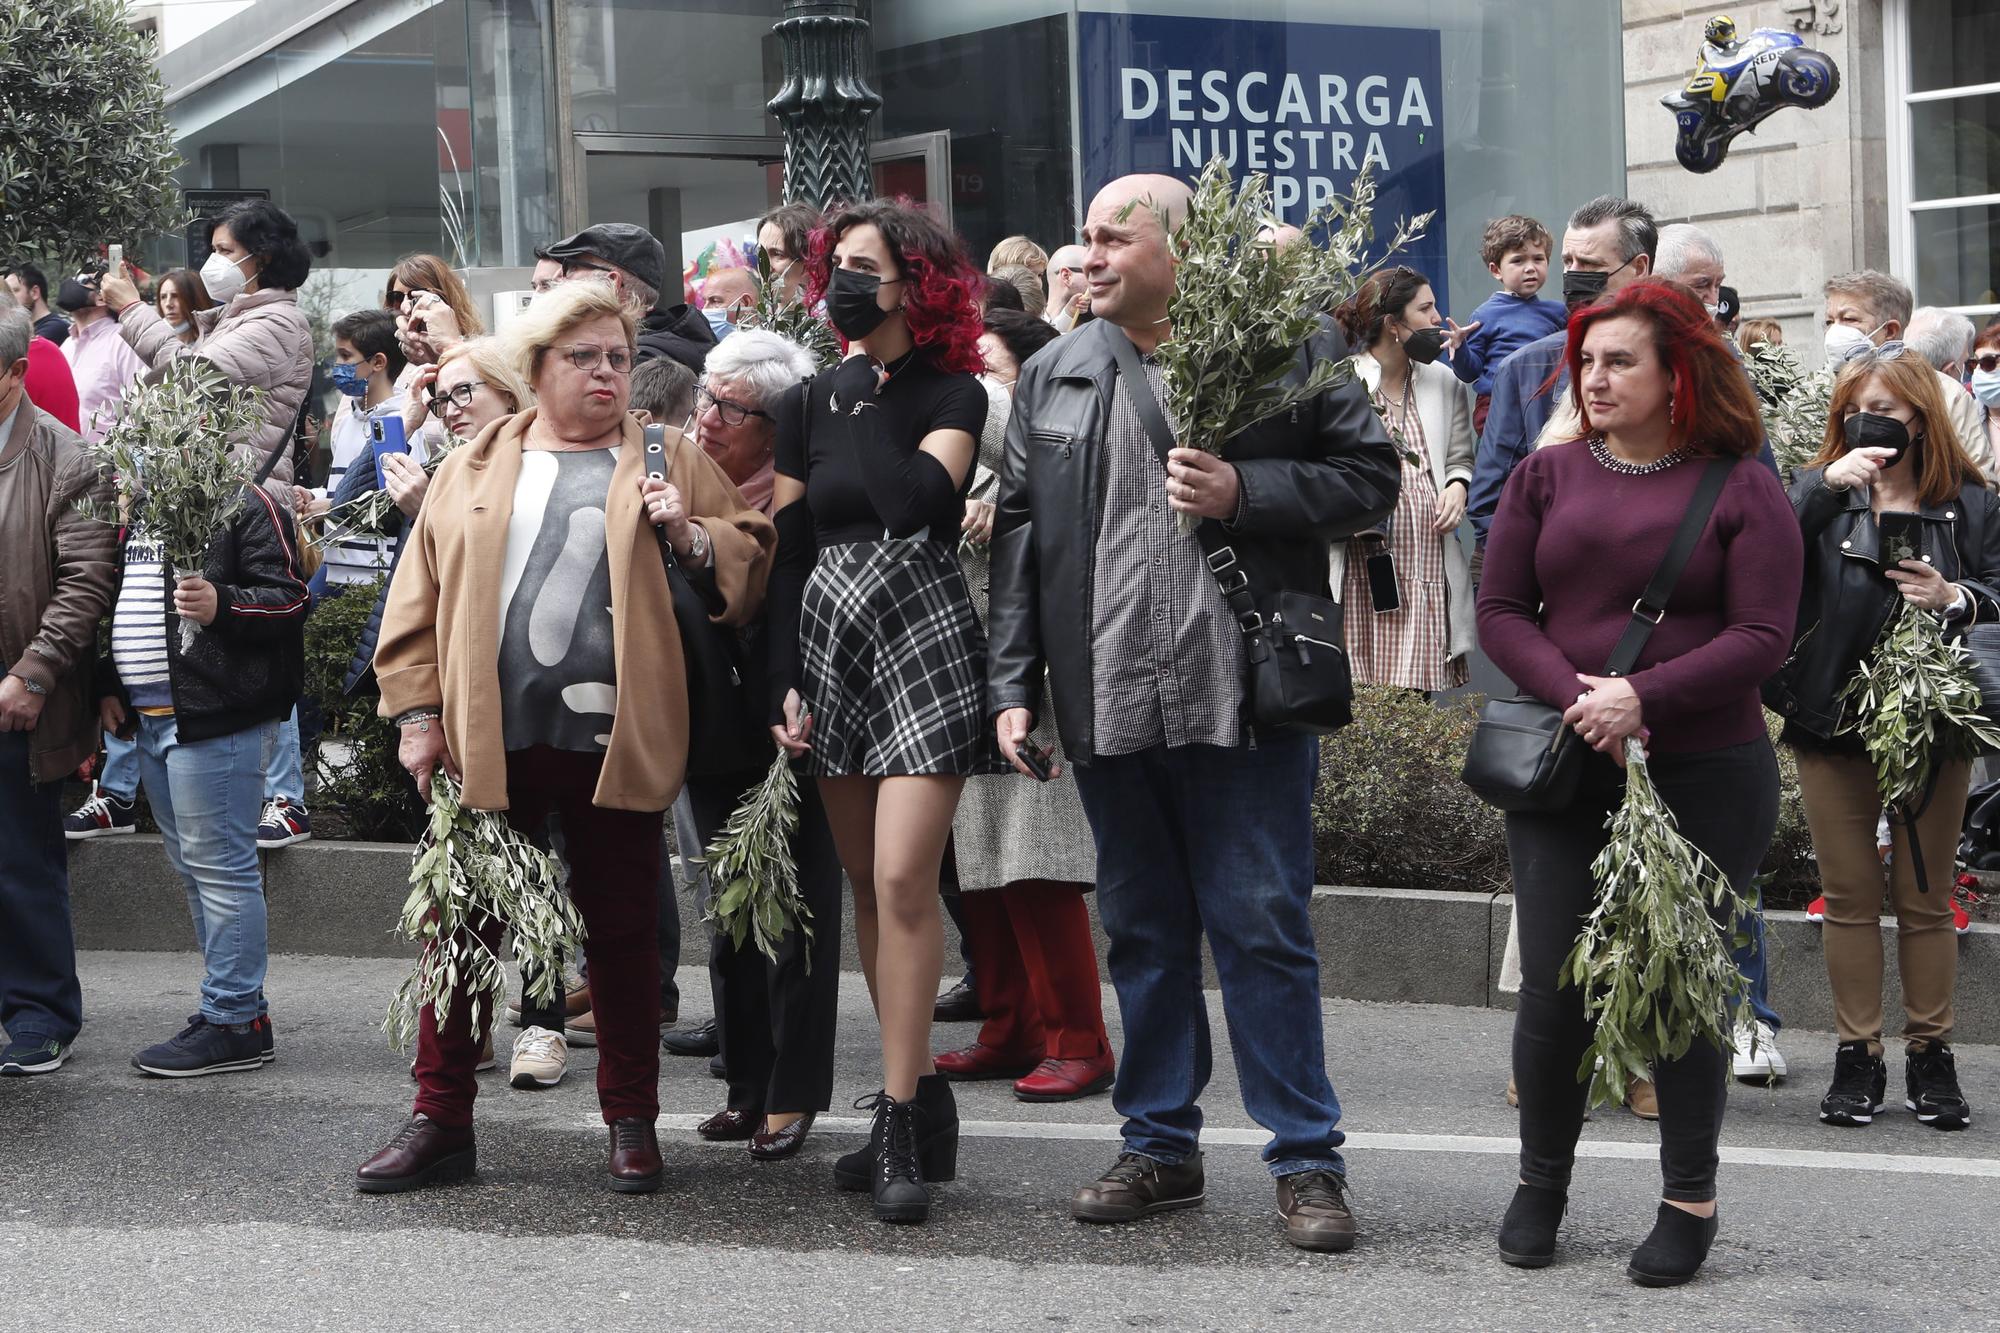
(893, 663)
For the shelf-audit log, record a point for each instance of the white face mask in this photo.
(223, 277)
(182, 327)
(1842, 339)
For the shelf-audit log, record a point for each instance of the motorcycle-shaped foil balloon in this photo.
(1739, 82)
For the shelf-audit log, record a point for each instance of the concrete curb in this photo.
(1388, 945)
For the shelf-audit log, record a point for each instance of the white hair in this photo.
(17, 330)
(1681, 245)
(762, 361)
(1939, 336)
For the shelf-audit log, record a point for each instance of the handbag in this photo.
(1298, 677)
(1523, 758)
(726, 732)
(1982, 650)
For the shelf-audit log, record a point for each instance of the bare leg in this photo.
(850, 813)
(912, 823)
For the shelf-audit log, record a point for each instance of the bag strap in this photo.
(1221, 556)
(1651, 608)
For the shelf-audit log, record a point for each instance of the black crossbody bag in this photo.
(1523, 759)
(1298, 677)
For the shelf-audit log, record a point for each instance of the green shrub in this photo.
(367, 795)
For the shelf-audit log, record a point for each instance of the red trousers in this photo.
(614, 868)
(1034, 969)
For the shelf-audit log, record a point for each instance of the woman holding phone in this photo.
(1895, 515)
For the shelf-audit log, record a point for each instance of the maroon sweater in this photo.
(1573, 545)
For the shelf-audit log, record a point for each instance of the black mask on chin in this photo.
(1424, 346)
(1867, 430)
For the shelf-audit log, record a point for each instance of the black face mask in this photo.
(1866, 430)
(851, 303)
(74, 296)
(1424, 346)
(1581, 287)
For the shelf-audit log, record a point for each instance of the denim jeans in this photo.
(1750, 961)
(1221, 839)
(206, 797)
(283, 776)
(39, 995)
(120, 774)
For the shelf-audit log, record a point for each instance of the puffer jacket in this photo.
(56, 574)
(1845, 603)
(260, 340)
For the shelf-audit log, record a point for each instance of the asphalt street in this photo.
(228, 1202)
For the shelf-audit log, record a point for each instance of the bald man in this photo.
(1069, 291)
(1201, 820)
(725, 295)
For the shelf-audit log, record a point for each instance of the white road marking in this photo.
(1491, 1145)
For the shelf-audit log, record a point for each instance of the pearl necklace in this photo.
(1601, 451)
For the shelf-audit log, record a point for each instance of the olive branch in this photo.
(1915, 705)
(753, 875)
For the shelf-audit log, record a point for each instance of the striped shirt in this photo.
(139, 626)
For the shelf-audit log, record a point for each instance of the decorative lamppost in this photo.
(825, 102)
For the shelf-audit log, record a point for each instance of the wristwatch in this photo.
(697, 544)
(34, 687)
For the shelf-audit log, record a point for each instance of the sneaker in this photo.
(283, 824)
(1859, 1082)
(32, 1055)
(1315, 1212)
(204, 1048)
(541, 1058)
(100, 816)
(1757, 1058)
(1816, 910)
(1931, 1076)
(267, 1046)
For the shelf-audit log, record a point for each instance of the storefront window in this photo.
(497, 187)
(1944, 156)
(686, 67)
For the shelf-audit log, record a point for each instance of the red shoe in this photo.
(1816, 910)
(1964, 892)
(979, 1061)
(1066, 1080)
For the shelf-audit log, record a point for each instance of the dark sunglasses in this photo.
(1987, 362)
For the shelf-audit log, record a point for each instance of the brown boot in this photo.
(1641, 1100)
(635, 1157)
(423, 1152)
(1314, 1206)
(1137, 1187)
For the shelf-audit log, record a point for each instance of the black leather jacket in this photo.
(1311, 476)
(1845, 602)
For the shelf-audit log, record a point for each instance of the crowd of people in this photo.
(956, 562)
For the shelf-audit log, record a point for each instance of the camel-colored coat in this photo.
(440, 644)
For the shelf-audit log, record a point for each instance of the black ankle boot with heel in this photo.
(1676, 1249)
(1528, 1232)
(936, 1137)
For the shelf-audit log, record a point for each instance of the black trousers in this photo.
(778, 1018)
(1726, 803)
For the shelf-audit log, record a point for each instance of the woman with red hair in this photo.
(1581, 528)
(877, 660)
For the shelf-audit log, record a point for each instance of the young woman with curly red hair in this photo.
(1580, 530)
(877, 660)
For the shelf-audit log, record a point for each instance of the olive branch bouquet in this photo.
(1794, 402)
(790, 319)
(367, 515)
(754, 879)
(1653, 967)
(1243, 306)
(1915, 705)
(180, 473)
(471, 870)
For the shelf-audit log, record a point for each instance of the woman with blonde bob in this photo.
(530, 649)
(1896, 519)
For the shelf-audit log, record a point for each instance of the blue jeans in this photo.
(206, 797)
(1756, 970)
(1204, 837)
(39, 994)
(283, 776)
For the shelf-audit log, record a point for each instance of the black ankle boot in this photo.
(1528, 1232)
(1676, 1249)
(937, 1137)
(900, 1195)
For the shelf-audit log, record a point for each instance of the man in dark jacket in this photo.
(1200, 822)
(636, 263)
(55, 581)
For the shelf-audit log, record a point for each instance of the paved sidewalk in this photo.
(228, 1201)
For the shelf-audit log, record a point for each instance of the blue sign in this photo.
(1308, 104)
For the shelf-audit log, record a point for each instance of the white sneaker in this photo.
(541, 1058)
(1757, 1058)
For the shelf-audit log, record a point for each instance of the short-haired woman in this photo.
(533, 580)
(873, 628)
(1889, 448)
(1580, 530)
(179, 297)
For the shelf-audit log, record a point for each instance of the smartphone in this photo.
(387, 436)
(117, 257)
(1382, 582)
(1039, 760)
(1902, 535)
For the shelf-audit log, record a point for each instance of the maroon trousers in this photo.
(614, 868)
(1035, 971)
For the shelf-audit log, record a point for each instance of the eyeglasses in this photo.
(575, 266)
(732, 414)
(1888, 351)
(461, 394)
(585, 356)
(395, 299)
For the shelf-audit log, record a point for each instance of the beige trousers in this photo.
(1842, 807)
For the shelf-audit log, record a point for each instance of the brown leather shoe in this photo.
(979, 1061)
(422, 1153)
(1314, 1206)
(1137, 1187)
(780, 1144)
(635, 1157)
(730, 1126)
(1642, 1100)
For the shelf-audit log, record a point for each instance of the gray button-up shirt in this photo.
(1168, 657)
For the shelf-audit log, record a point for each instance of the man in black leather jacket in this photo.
(1200, 823)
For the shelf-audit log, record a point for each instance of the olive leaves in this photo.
(1794, 402)
(753, 878)
(1915, 705)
